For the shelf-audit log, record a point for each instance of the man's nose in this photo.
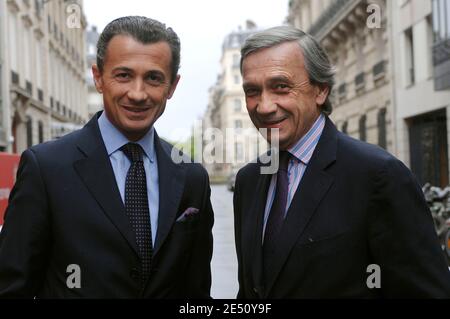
(266, 104)
(137, 91)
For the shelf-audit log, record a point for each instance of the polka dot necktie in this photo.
(136, 206)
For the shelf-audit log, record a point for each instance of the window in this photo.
(41, 132)
(239, 151)
(29, 131)
(237, 79)
(441, 20)
(13, 43)
(38, 63)
(342, 91)
(344, 127)
(409, 57)
(362, 128)
(14, 78)
(28, 52)
(441, 37)
(29, 88)
(382, 128)
(40, 95)
(236, 61)
(378, 70)
(38, 7)
(238, 124)
(237, 105)
(55, 29)
(359, 81)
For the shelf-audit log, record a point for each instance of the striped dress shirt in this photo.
(301, 155)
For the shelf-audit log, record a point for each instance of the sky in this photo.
(201, 26)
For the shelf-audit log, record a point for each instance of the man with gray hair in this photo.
(340, 218)
(105, 212)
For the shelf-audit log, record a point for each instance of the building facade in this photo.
(95, 100)
(393, 74)
(3, 87)
(44, 90)
(360, 50)
(421, 33)
(226, 122)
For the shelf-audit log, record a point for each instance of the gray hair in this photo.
(144, 30)
(317, 63)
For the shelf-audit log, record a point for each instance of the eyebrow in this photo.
(247, 86)
(122, 68)
(278, 78)
(125, 69)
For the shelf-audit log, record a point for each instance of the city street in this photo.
(224, 262)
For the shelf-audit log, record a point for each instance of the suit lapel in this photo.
(311, 190)
(171, 185)
(96, 172)
(256, 221)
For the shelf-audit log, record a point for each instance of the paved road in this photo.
(224, 262)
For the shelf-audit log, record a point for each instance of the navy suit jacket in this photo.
(65, 208)
(356, 205)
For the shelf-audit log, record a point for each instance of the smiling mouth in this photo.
(273, 122)
(135, 109)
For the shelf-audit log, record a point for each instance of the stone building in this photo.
(393, 74)
(43, 88)
(95, 100)
(421, 33)
(237, 141)
(360, 49)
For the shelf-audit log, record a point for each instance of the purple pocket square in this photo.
(187, 214)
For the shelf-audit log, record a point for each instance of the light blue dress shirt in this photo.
(114, 140)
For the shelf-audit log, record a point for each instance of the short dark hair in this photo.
(144, 30)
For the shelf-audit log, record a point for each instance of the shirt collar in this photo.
(114, 139)
(305, 147)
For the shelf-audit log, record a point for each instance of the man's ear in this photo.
(173, 86)
(322, 94)
(97, 78)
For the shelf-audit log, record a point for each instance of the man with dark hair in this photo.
(340, 218)
(105, 212)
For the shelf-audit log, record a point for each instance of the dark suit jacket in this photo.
(65, 209)
(356, 205)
